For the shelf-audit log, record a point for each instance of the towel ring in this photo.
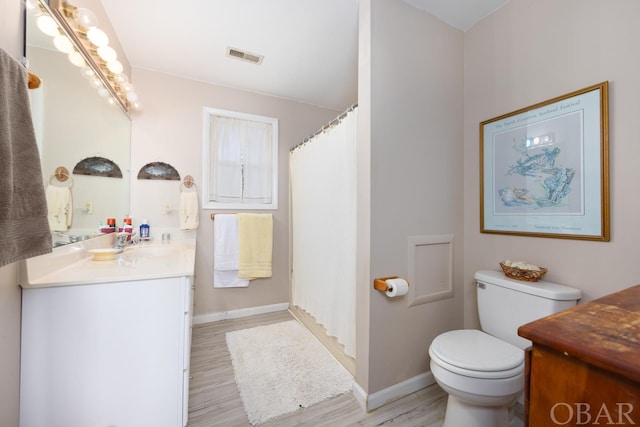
(188, 182)
(61, 174)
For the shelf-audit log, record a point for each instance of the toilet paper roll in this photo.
(397, 287)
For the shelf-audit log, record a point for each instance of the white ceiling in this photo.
(310, 47)
(462, 14)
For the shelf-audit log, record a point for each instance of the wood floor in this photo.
(214, 399)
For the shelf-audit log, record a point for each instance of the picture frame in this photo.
(544, 169)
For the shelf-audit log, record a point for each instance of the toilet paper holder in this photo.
(382, 285)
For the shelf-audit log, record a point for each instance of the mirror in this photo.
(73, 122)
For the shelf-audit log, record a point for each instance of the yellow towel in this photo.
(255, 236)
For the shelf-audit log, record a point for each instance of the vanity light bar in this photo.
(115, 83)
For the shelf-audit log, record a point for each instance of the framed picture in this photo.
(544, 169)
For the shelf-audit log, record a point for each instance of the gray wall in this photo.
(410, 81)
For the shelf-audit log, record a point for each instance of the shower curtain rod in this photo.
(325, 127)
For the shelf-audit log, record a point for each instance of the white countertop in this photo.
(74, 265)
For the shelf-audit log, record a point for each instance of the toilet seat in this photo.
(476, 354)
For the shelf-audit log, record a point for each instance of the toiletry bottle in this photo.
(127, 228)
(110, 227)
(144, 230)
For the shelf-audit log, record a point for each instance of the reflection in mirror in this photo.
(73, 122)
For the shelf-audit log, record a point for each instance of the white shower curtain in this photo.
(323, 195)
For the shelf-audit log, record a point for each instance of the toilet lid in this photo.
(476, 351)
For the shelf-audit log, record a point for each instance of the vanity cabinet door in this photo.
(566, 391)
(104, 355)
(188, 289)
(583, 367)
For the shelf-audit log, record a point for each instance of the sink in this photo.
(152, 251)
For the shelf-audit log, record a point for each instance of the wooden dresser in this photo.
(584, 365)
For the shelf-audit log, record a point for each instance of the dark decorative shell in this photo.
(97, 166)
(159, 170)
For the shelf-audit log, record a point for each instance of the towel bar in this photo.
(213, 215)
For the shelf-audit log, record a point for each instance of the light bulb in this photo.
(111, 101)
(136, 106)
(95, 82)
(85, 18)
(47, 25)
(103, 92)
(76, 59)
(107, 53)
(132, 96)
(127, 87)
(115, 67)
(63, 44)
(97, 37)
(87, 72)
(122, 79)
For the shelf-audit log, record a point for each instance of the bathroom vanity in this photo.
(584, 365)
(107, 343)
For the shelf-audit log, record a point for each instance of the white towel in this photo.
(60, 207)
(189, 211)
(226, 253)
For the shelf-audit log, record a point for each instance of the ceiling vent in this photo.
(244, 56)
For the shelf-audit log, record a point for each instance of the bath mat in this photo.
(281, 368)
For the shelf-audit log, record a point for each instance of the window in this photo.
(240, 161)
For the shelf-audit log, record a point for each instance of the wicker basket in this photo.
(521, 274)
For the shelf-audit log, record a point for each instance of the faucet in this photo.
(122, 238)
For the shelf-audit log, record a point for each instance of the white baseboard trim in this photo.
(360, 395)
(389, 394)
(236, 314)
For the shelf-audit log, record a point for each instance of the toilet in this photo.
(483, 370)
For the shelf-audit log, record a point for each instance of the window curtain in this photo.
(241, 153)
(323, 211)
(257, 158)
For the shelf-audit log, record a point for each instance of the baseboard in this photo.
(360, 395)
(389, 394)
(236, 314)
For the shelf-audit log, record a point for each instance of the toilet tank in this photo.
(505, 304)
